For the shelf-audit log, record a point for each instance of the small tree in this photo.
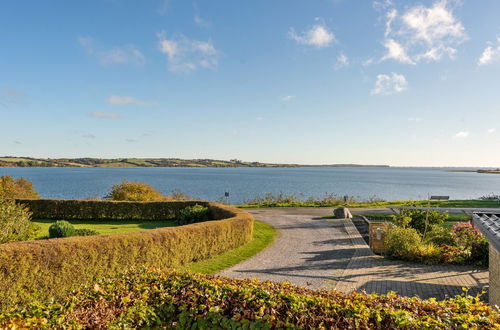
(15, 222)
(134, 191)
(16, 188)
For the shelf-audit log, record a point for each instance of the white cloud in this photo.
(342, 61)
(318, 36)
(422, 33)
(490, 54)
(491, 130)
(127, 54)
(396, 52)
(287, 98)
(105, 115)
(259, 118)
(185, 55)
(415, 119)
(461, 135)
(389, 84)
(125, 100)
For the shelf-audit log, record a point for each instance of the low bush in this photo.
(36, 270)
(134, 191)
(86, 232)
(192, 214)
(16, 188)
(421, 220)
(167, 299)
(462, 245)
(61, 228)
(15, 222)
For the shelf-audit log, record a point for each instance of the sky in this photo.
(402, 83)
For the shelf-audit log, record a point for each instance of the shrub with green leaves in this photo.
(86, 232)
(192, 214)
(419, 218)
(15, 222)
(157, 299)
(402, 243)
(134, 191)
(11, 188)
(61, 229)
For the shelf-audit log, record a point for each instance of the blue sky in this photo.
(312, 82)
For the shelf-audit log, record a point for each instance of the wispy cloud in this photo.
(461, 135)
(126, 54)
(131, 140)
(287, 98)
(105, 115)
(259, 118)
(318, 36)
(342, 61)
(17, 142)
(10, 96)
(422, 33)
(88, 136)
(389, 84)
(490, 54)
(125, 100)
(186, 55)
(415, 119)
(163, 7)
(491, 130)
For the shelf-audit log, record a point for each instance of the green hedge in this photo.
(36, 270)
(61, 209)
(154, 299)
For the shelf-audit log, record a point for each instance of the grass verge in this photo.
(379, 204)
(263, 235)
(105, 227)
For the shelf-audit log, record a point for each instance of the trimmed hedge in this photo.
(37, 270)
(64, 209)
(165, 299)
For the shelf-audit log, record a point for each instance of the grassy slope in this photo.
(263, 235)
(106, 227)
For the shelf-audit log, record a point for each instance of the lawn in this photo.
(452, 218)
(106, 227)
(263, 235)
(478, 203)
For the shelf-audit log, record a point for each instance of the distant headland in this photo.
(9, 161)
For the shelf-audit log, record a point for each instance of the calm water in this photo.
(244, 183)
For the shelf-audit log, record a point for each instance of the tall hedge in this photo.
(36, 270)
(63, 209)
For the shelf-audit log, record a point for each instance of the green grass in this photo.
(263, 235)
(106, 227)
(380, 204)
(452, 218)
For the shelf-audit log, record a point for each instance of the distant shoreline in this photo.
(496, 171)
(149, 162)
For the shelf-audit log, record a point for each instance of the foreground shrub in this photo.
(192, 214)
(16, 188)
(15, 222)
(37, 270)
(167, 299)
(134, 191)
(61, 229)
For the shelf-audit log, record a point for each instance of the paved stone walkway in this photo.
(321, 254)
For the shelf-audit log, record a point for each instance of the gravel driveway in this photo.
(323, 254)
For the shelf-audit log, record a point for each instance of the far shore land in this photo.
(148, 162)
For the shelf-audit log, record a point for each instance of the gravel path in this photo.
(304, 252)
(320, 254)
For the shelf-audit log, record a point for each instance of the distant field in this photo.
(106, 227)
